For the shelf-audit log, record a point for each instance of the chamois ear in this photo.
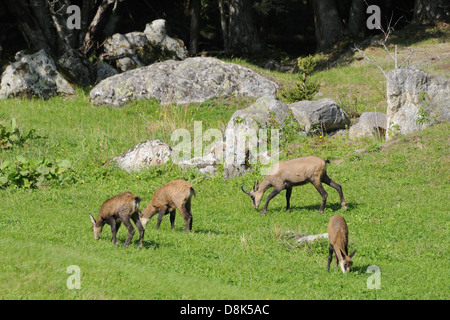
(352, 254)
(92, 218)
(255, 187)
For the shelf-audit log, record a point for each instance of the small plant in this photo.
(306, 88)
(12, 135)
(423, 115)
(34, 174)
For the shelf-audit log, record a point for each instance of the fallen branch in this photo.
(308, 239)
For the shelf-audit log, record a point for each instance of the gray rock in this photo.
(143, 155)
(415, 100)
(104, 70)
(156, 33)
(242, 139)
(33, 75)
(370, 124)
(77, 68)
(324, 114)
(190, 80)
(206, 164)
(137, 49)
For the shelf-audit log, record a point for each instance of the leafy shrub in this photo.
(306, 88)
(12, 135)
(34, 174)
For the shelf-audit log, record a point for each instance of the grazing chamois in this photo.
(291, 173)
(116, 210)
(338, 235)
(174, 195)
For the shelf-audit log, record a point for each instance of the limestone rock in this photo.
(33, 75)
(324, 114)
(415, 100)
(145, 154)
(190, 80)
(370, 124)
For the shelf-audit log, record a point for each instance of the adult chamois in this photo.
(291, 173)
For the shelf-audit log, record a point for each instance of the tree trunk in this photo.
(243, 35)
(195, 27)
(328, 24)
(224, 24)
(99, 20)
(356, 26)
(431, 11)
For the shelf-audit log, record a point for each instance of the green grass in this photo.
(397, 217)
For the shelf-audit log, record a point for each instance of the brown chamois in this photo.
(338, 235)
(291, 173)
(174, 195)
(114, 211)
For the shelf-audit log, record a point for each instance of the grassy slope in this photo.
(397, 194)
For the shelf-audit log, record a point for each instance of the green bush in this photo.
(34, 174)
(306, 87)
(12, 135)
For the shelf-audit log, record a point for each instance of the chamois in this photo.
(338, 235)
(114, 211)
(174, 195)
(291, 173)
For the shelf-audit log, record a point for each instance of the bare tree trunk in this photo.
(431, 11)
(242, 34)
(224, 24)
(329, 27)
(100, 18)
(34, 23)
(356, 26)
(195, 27)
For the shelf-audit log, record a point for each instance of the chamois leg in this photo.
(140, 227)
(323, 193)
(188, 208)
(269, 197)
(187, 218)
(126, 221)
(288, 199)
(160, 216)
(172, 219)
(326, 179)
(114, 228)
(330, 256)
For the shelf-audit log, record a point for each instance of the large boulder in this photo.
(324, 115)
(143, 155)
(415, 100)
(370, 124)
(137, 49)
(190, 80)
(243, 138)
(33, 75)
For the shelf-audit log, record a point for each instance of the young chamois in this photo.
(338, 235)
(174, 195)
(114, 211)
(291, 173)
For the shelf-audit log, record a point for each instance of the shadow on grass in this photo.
(315, 207)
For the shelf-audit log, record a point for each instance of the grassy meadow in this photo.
(396, 191)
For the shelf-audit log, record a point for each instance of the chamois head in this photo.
(254, 195)
(97, 227)
(146, 214)
(346, 262)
